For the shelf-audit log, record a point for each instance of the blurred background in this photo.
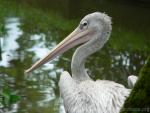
(30, 28)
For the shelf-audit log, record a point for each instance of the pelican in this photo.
(79, 92)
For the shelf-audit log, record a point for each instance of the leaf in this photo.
(14, 99)
(8, 97)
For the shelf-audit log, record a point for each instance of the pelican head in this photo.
(90, 30)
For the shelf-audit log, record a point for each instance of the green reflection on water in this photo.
(41, 24)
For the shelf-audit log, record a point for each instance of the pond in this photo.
(30, 28)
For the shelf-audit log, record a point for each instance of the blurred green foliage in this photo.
(8, 97)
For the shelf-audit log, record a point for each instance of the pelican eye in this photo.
(83, 25)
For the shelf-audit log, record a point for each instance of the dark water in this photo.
(30, 28)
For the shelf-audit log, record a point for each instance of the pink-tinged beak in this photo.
(75, 38)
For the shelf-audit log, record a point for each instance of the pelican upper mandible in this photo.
(79, 92)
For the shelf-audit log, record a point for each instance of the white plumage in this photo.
(90, 96)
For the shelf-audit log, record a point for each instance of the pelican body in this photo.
(79, 92)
